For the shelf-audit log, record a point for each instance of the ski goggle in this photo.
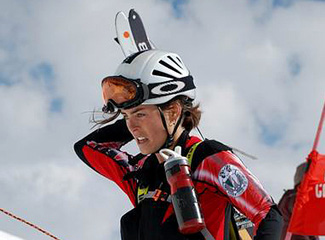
(121, 93)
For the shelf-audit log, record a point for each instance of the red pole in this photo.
(319, 130)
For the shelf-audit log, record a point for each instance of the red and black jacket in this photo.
(220, 178)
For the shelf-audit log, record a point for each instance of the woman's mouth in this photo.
(141, 140)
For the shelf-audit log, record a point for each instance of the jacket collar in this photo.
(186, 142)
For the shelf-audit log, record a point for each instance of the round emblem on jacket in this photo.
(232, 180)
(168, 88)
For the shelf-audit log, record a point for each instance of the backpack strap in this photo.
(190, 153)
(205, 232)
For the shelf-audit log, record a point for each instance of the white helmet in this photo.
(159, 75)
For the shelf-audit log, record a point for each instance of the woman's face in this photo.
(145, 124)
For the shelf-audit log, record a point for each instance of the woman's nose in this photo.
(132, 123)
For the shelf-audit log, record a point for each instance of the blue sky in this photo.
(178, 7)
(43, 74)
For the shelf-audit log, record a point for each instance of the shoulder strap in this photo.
(190, 153)
(205, 149)
(205, 232)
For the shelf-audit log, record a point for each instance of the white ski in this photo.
(124, 34)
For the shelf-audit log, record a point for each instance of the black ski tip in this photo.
(132, 10)
(133, 15)
(116, 40)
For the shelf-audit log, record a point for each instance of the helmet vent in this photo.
(179, 60)
(162, 74)
(169, 66)
(179, 65)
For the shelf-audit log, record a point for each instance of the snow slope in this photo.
(7, 236)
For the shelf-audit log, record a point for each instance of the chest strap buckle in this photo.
(160, 195)
(157, 195)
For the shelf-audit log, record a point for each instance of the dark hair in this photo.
(191, 114)
(103, 119)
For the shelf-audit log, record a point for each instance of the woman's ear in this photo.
(174, 112)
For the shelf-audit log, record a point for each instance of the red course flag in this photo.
(308, 216)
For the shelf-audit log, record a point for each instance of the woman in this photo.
(154, 92)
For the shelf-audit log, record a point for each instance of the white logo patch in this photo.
(143, 46)
(232, 180)
(178, 86)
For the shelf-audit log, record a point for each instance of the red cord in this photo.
(28, 223)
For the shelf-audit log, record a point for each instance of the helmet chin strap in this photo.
(170, 137)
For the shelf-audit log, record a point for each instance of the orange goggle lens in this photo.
(118, 89)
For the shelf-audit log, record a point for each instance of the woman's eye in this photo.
(139, 115)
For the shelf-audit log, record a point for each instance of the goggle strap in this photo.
(188, 84)
(146, 92)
